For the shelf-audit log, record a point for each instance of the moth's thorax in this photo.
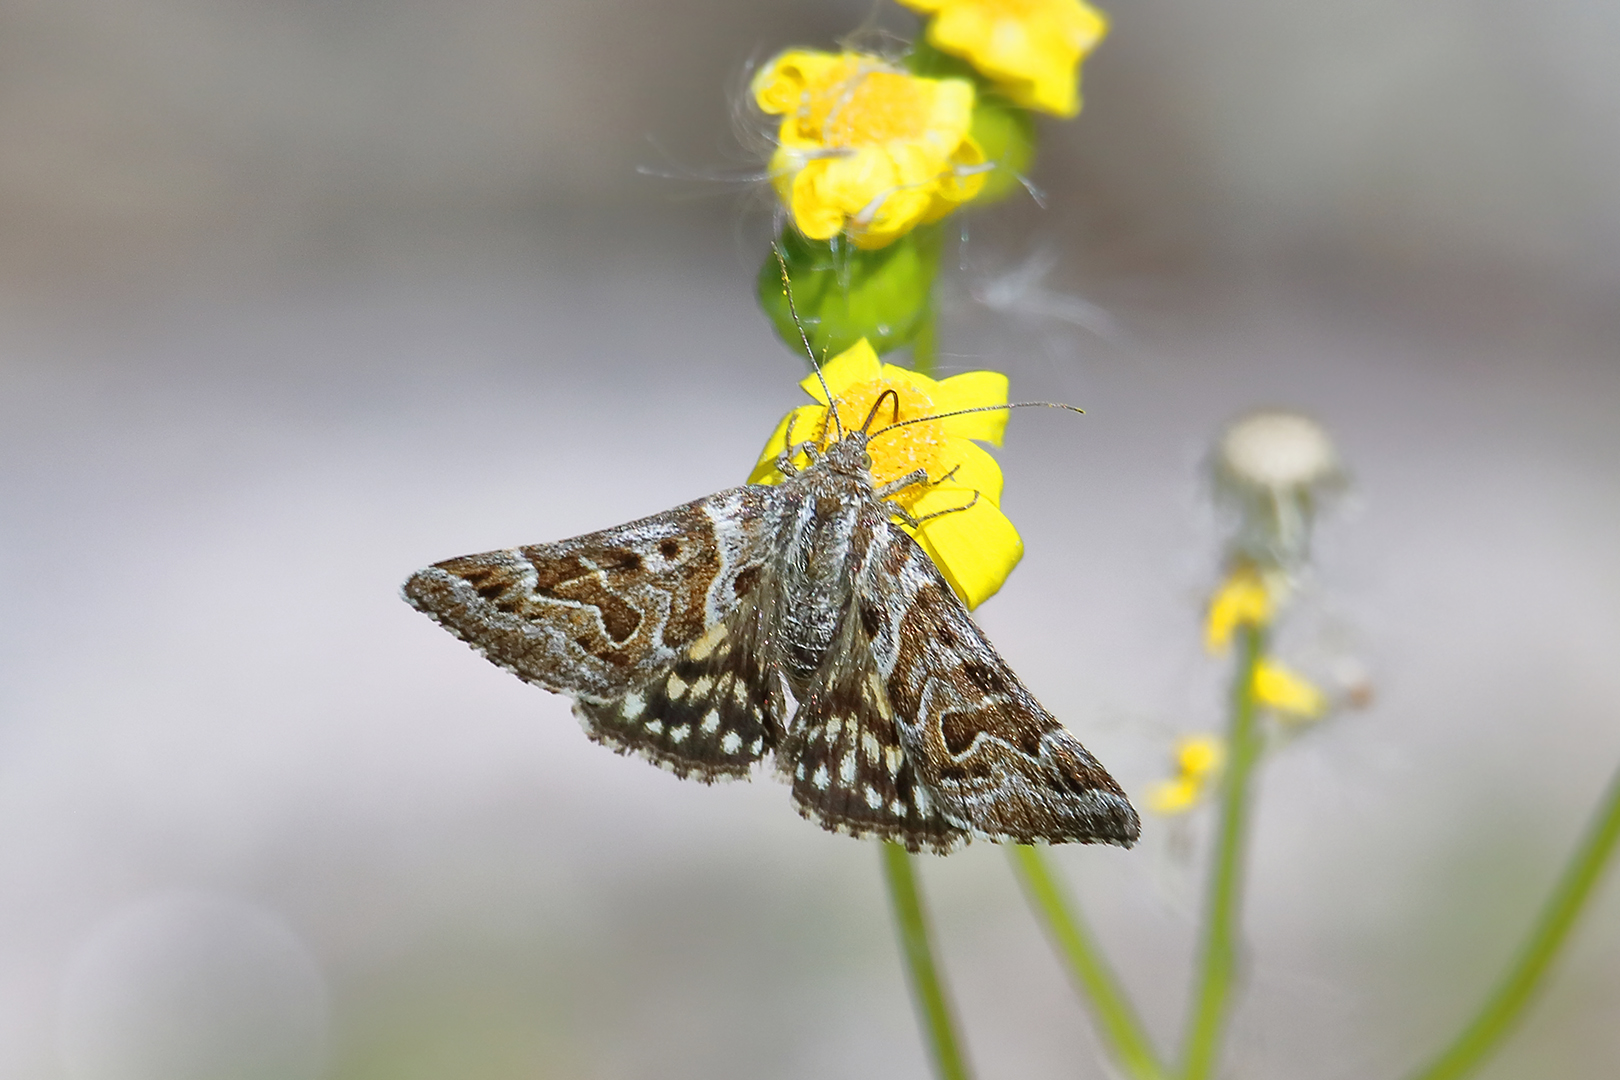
(831, 512)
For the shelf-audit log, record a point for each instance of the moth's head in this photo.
(849, 455)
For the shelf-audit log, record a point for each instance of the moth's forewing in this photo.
(997, 763)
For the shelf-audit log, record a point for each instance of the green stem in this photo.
(1503, 1007)
(1217, 961)
(925, 346)
(932, 1004)
(1118, 1026)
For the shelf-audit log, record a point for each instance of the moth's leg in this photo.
(906, 516)
(894, 487)
(971, 503)
(784, 460)
(918, 477)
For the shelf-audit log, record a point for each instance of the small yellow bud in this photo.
(1242, 600)
(1198, 763)
(1286, 692)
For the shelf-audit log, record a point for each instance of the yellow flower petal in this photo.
(975, 548)
(970, 390)
(1287, 692)
(974, 469)
(857, 364)
(1031, 48)
(1242, 600)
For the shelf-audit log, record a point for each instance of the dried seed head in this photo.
(1274, 468)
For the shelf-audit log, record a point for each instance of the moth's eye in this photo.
(866, 461)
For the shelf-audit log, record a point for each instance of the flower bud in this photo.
(844, 293)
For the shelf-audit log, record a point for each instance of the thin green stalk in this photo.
(925, 346)
(1217, 962)
(933, 1006)
(1118, 1026)
(1502, 1009)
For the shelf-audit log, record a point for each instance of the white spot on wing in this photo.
(869, 744)
(675, 687)
(700, 689)
(654, 727)
(873, 799)
(821, 778)
(731, 743)
(711, 723)
(678, 734)
(632, 705)
(846, 768)
(892, 756)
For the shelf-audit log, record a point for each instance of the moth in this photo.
(795, 620)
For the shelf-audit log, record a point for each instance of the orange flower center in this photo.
(895, 451)
(862, 107)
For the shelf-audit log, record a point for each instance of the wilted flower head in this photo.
(970, 539)
(1031, 49)
(1273, 468)
(865, 148)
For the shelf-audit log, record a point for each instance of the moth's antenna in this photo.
(878, 404)
(787, 289)
(984, 408)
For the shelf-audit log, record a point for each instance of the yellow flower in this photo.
(1242, 600)
(1287, 692)
(1032, 48)
(865, 148)
(1199, 760)
(974, 545)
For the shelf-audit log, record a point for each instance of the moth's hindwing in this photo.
(622, 618)
(996, 762)
(708, 715)
(844, 759)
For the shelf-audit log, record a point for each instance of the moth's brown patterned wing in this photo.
(707, 716)
(844, 760)
(995, 762)
(621, 619)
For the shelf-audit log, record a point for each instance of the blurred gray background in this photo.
(297, 296)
